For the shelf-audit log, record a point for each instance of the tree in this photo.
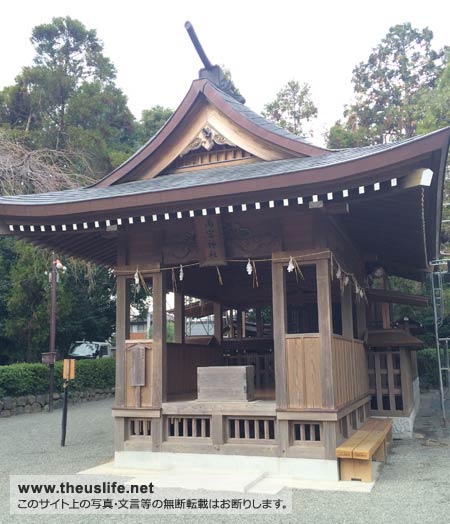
(100, 124)
(389, 84)
(67, 99)
(292, 107)
(341, 136)
(85, 303)
(436, 103)
(152, 120)
(67, 55)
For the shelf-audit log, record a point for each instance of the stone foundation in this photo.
(403, 427)
(10, 406)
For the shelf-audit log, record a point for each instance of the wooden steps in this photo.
(356, 453)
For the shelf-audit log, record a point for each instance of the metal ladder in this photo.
(437, 294)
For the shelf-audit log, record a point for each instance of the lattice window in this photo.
(306, 432)
(140, 427)
(251, 429)
(188, 427)
(385, 381)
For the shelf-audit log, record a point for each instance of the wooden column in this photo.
(159, 346)
(218, 322)
(239, 323)
(259, 323)
(326, 331)
(279, 334)
(127, 308)
(179, 318)
(121, 287)
(347, 312)
(122, 310)
(159, 350)
(361, 318)
(329, 439)
(406, 378)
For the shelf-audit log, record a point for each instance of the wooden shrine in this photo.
(259, 224)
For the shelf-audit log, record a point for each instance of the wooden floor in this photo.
(260, 394)
(263, 405)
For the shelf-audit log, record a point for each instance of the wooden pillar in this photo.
(121, 287)
(361, 318)
(179, 318)
(127, 308)
(329, 430)
(217, 307)
(326, 331)
(259, 323)
(347, 312)
(279, 334)
(159, 352)
(406, 378)
(159, 346)
(239, 323)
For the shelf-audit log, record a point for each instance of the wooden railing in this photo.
(304, 380)
(350, 373)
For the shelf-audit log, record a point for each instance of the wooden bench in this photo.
(356, 453)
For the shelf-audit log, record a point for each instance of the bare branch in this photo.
(37, 171)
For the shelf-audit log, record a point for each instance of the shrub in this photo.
(428, 367)
(32, 379)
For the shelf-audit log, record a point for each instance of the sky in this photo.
(263, 43)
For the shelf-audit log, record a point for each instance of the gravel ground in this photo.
(414, 486)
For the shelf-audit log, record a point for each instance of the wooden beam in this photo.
(179, 314)
(217, 307)
(279, 334)
(396, 297)
(326, 331)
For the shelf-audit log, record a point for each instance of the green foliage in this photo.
(85, 303)
(389, 87)
(292, 107)
(67, 100)
(152, 120)
(343, 135)
(33, 379)
(436, 103)
(428, 368)
(23, 379)
(27, 301)
(170, 331)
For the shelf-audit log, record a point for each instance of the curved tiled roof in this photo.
(210, 176)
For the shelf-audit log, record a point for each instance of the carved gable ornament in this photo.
(207, 138)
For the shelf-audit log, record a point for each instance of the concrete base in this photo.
(300, 468)
(235, 480)
(403, 427)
